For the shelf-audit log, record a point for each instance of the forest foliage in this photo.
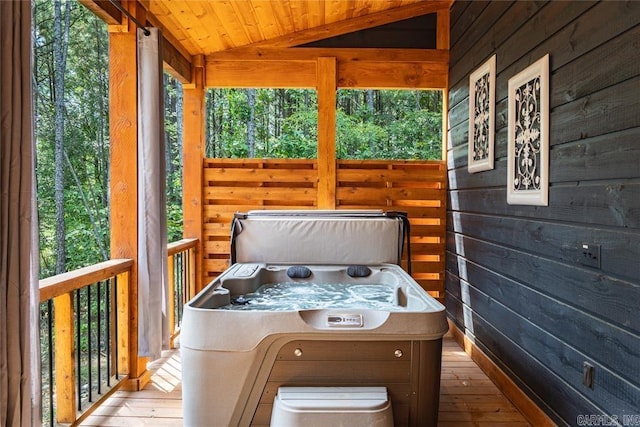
(71, 65)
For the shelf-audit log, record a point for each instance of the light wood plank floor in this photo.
(467, 397)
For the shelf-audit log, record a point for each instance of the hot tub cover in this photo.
(331, 237)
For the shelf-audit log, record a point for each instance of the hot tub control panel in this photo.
(345, 320)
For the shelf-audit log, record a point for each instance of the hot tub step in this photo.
(324, 406)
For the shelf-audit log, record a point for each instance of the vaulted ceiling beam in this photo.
(104, 10)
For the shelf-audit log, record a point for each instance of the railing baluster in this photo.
(99, 336)
(115, 322)
(78, 350)
(107, 328)
(89, 345)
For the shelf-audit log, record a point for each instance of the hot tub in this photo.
(263, 325)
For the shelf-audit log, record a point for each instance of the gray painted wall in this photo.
(515, 281)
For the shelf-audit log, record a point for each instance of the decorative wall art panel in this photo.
(482, 90)
(528, 136)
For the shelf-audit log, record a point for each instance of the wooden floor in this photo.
(467, 397)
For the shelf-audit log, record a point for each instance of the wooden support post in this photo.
(442, 43)
(65, 377)
(442, 30)
(193, 159)
(326, 77)
(123, 130)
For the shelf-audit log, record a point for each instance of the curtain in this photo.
(153, 334)
(19, 298)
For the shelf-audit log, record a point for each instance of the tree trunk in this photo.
(251, 123)
(224, 121)
(168, 106)
(60, 45)
(210, 129)
(370, 105)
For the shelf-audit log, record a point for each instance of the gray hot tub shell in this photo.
(234, 361)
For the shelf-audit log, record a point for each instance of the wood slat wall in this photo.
(416, 187)
(240, 185)
(515, 282)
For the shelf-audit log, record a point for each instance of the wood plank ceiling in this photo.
(206, 27)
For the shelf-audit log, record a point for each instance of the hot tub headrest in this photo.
(298, 272)
(319, 237)
(358, 271)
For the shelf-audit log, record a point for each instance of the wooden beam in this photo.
(104, 10)
(351, 74)
(378, 75)
(250, 74)
(193, 158)
(168, 36)
(442, 29)
(354, 24)
(445, 124)
(327, 73)
(341, 54)
(175, 63)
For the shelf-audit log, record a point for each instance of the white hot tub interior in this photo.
(266, 287)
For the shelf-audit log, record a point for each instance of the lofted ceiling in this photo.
(206, 27)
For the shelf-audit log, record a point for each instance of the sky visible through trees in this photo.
(72, 132)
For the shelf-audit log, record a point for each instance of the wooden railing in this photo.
(84, 328)
(182, 281)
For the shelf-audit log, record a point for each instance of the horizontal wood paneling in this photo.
(415, 187)
(565, 324)
(558, 241)
(515, 282)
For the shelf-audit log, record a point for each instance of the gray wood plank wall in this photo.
(514, 279)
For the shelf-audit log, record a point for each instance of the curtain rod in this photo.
(117, 4)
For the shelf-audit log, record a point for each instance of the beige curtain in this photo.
(18, 278)
(153, 332)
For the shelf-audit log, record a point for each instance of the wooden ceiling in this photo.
(252, 43)
(206, 27)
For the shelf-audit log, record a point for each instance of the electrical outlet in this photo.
(589, 255)
(588, 372)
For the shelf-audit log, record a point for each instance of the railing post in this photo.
(66, 403)
(122, 321)
(193, 273)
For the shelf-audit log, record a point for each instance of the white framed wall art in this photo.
(528, 136)
(482, 93)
